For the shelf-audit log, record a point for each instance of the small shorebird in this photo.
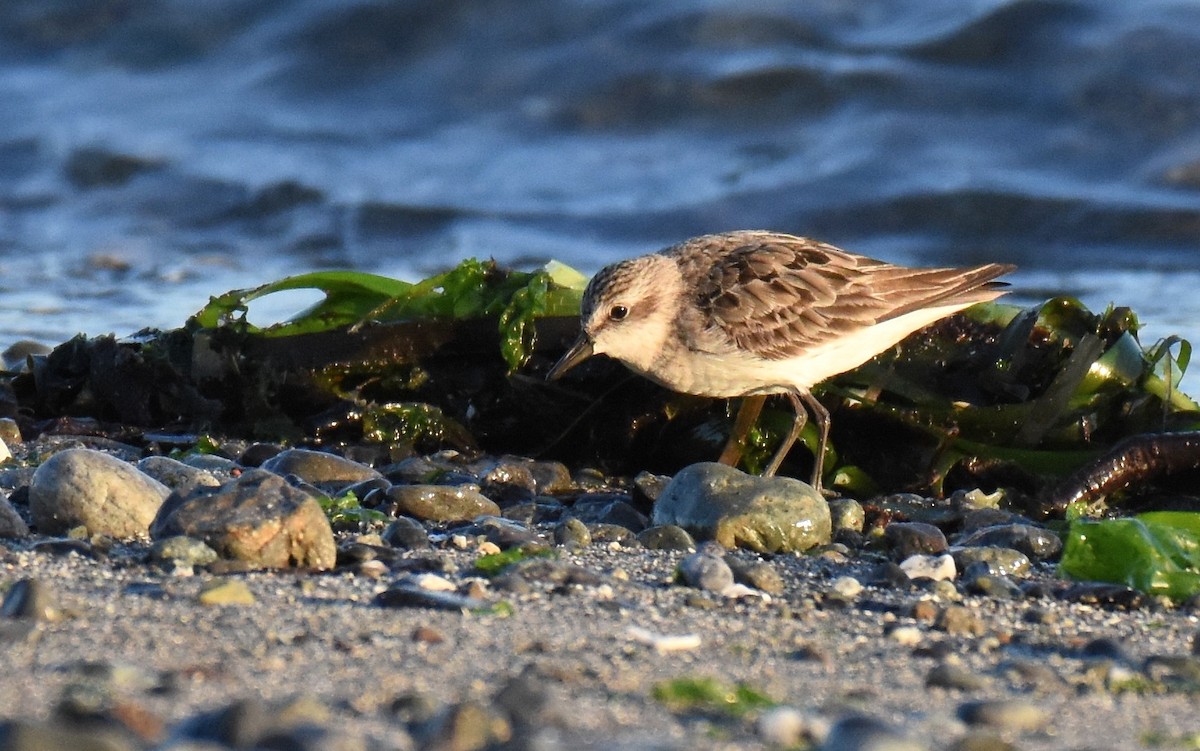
(752, 312)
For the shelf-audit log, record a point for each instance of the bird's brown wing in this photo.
(778, 296)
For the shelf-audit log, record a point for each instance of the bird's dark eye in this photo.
(618, 312)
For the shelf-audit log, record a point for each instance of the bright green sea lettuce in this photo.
(1156, 552)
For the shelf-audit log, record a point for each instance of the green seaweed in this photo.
(473, 289)
(346, 510)
(710, 696)
(1157, 552)
(494, 563)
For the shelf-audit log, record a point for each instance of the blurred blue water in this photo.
(155, 152)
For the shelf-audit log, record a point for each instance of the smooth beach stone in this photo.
(258, 518)
(11, 523)
(998, 561)
(666, 537)
(608, 508)
(83, 487)
(765, 514)
(176, 475)
(1038, 543)
(504, 471)
(861, 733)
(935, 567)
(572, 532)
(27, 735)
(183, 549)
(1006, 714)
(914, 538)
(31, 599)
(442, 503)
(706, 569)
(226, 592)
(846, 514)
(318, 467)
(406, 533)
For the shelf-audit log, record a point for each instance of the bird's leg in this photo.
(821, 415)
(748, 412)
(793, 434)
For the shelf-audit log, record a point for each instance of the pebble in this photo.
(319, 467)
(666, 537)
(182, 549)
(951, 676)
(91, 488)
(706, 569)
(28, 735)
(608, 508)
(861, 733)
(408, 595)
(176, 475)
(764, 514)
(30, 599)
(1005, 714)
(788, 727)
(959, 620)
(934, 567)
(11, 524)
(846, 515)
(441, 503)
(760, 575)
(998, 587)
(846, 587)
(226, 592)
(572, 533)
(257, 518)
(1035, 542)
(406, 533)
(907, 539)
(908, 636)
(997, 561)
(469, 726)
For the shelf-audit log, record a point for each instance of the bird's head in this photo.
(627, 313)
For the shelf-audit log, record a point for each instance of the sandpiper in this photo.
(754, 312)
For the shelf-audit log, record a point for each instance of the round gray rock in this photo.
(11, 523)
(90, 488)
(176, 475)
(442, 503)
(318, 467)
(766, 514)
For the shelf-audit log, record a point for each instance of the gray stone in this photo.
(176, 475)
(406, 533)
(860, 733)
(846, 514)
(11, 523)
(318, 467)
(408, 595)
(572, 532)
(706, 569)
(1006, 714)
(26, 735)
(90, 488)
(30, 599)
(181, 549)
(758, 574)
(608, 508)
(914, 538)
(766, 514)
(551, 477)
(951, 676)
(257, 518)
(999, 587)
(506, 470)
(441, 503)
(997, 561)
(1036, 542)
(666, 537)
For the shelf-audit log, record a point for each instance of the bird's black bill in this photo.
(579, 351)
